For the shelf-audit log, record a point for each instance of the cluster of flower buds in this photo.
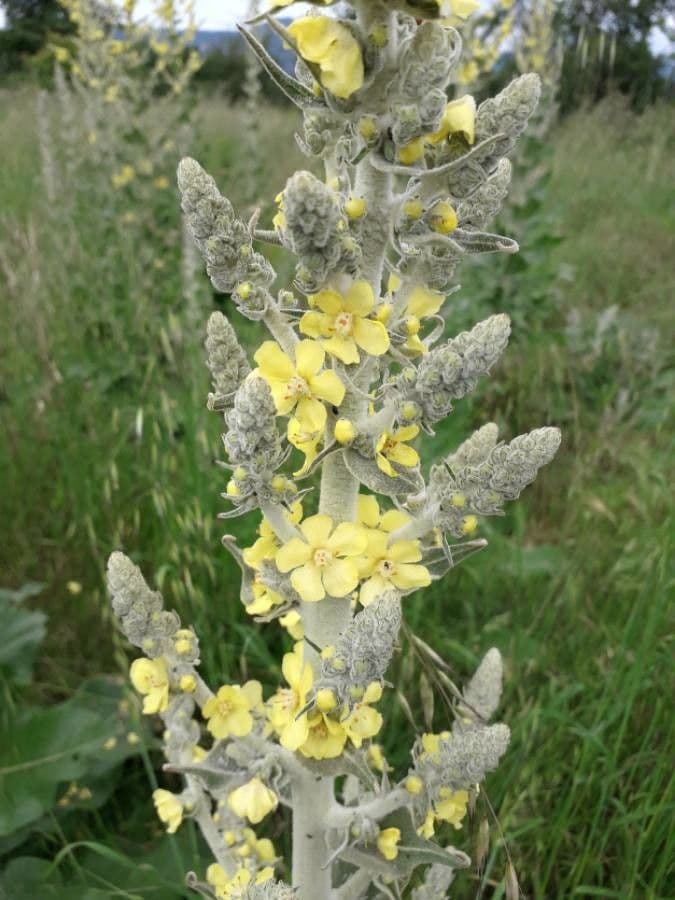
(469, 484)
(224, 241)
(451, 371)
(226, 361)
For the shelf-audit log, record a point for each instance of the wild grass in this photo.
(117, 450)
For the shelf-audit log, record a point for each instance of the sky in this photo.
(215, 15)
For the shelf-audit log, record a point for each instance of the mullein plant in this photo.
(119, 117)
(355, 370)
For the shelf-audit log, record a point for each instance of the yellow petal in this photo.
(273, 362)
(340, 577)
(404, 455)
(315, 324)
(359, 299)
(317, 529)
(371, 336)
(307, 582)
(343, 348)
(327, 386)
(372, 589)
(252, 690)
(407, 433)
(368, 510)
(329, 302)
(423, 302)
(405, 552)
(294, 553)
(393, 519)
(409, 576)
(309, 357)
(310, 414)
(348, 540)
(385, 466)
(295, 733)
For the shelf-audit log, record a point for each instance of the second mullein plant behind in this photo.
(355, 370)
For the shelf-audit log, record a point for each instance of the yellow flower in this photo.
(469, 524)
(333, 47)
(391, 447)
(387, 842)
(228, 713)
(422, 302)
(252, 801)
(363, 722)
(368, 513)
(326, 738)
(284, 707)
(169, 809)
(443, 218)
(74, 587)
(235, 888)
(343, 323)
(390, 565)
(61, 53)
(461, 8)
(267, 544)
(306, 440)
(431, 743)
(459, 118)
(123, 176)
(324, 562)
(452, 806)
(426, 829)
(264, 598)
(293, 624)
(150, 677)
(377, 759)
(414, 784)
(161, 182)
(299, 384)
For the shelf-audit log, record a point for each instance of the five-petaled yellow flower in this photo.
(451, 806)
(236, 887)
(391, 448)
(306, 440)
(342, 324)
(387, 842)
(323, 563)
(169, 809)
(252, 801)
(368, 513)
(326, 738)
(228, 713)
(150, 677)
(363, 721)
(334, 49)
(285, 706)
(390, 565)
(300, 384)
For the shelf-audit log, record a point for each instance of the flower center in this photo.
(389, 445)
(224, 708)
(297, 387)
(385, 567)
(288, 699)
(322, 557)
(343, 323)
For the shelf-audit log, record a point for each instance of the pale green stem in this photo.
(281, 330)
(314, 796)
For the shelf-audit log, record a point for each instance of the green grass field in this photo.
(106, 443)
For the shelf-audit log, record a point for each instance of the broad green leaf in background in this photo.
(22, 632)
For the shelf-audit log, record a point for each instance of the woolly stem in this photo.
(280, 330)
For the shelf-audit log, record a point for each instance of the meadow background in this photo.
(106, 443)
